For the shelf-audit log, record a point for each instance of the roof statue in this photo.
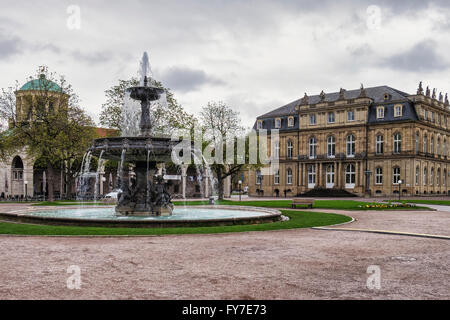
(441, 97)
(342, 94)
(428, 91)
(363, 93)
(322, 96)
(420, 90)
(434, 94)
(305, 100)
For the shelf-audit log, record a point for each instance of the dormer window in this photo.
(387, 97)
(398, 111)
(259, 124)
(290, 122)
(380, 112)
(277, 123)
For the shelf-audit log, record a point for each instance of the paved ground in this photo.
(294, 264)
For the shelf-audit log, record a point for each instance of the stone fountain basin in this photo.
(136, 148)
(149, 93)
(257, 216)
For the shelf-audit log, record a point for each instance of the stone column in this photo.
(183, 179)
(227, 186)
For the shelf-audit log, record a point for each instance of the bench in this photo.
(305, 202)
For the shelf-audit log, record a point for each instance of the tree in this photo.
(48, 121)
(220, 118)
(165, 117)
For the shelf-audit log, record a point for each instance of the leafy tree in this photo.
(49, 123)
(220, 120)
(165, 117)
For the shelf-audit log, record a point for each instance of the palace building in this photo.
(371, 141)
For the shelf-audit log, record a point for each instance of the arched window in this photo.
(396, 175)
(331, 147)
(17, 168)
(379, 175)
(350, 176)
(432, 145)
(425, 176)
(444, 148)
(425, 144)
(290, 149)
(431, 176)
(417, 175)
(444, 178)
(289, 176)
(438, 147)
(277, 150)
(417, 142)
(438, 177)
(312, 148)
(380, 144)
(350, 146)
(397, 143)
(276, 177)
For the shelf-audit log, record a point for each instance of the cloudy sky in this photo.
(254, 55)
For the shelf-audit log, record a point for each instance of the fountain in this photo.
(144, 201)
(145, 193)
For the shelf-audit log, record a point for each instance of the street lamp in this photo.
(399, 187)
(240, 190)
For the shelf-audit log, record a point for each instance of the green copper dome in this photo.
(41, 84)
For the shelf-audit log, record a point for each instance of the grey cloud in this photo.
(92, 57)
(9, 46)
(421, 57)
(185, 79)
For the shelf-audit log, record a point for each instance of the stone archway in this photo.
(17, 177)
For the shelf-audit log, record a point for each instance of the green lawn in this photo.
(298, 220)
(318, 204)
(437, 202)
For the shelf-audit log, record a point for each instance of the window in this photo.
(438, 177)
(312, 119)
(432, 145)
(425, 144)
(351, 115)
(398, 111)
(379, 176)
(330, 176)
(276, 177)
(417, 142)
(397, 143)
(312, 176)
(331, 117)
(290, 122)
(431, 176)
(444, 178)
(432, 116)
(289, 176)
(438, 147)
(259, 177)
(312, 148)
(380, 144)
(259, 124)
(350, 176)
(277, 123)
(417, 175)
(331, 147)
(396, 175)
(425, 114)
(351, 146)
(277, 150)
(439, 118)
(444, 148)
(425, 176)
(290, 149)
(380, 112)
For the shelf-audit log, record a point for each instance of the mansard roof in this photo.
(377, 94)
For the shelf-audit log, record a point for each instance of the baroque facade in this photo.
(375, 141)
